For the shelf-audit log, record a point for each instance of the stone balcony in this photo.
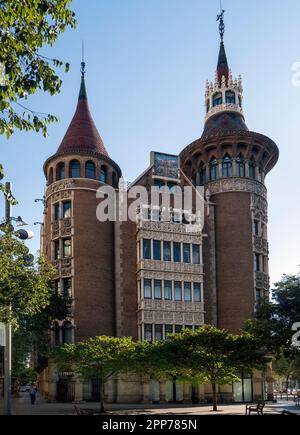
(170, 267)
(171, 312)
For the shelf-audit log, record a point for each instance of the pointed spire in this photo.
(82, 135)
(222, 68)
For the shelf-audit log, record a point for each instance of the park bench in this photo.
(285, 412)
(258, 408)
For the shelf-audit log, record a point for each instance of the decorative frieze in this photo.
(167, 231)
(262, 280)
(62, 228)
(64, 267)
(60, 186)
(170, 276)
(259, 207)
(261, 245)
(237, 185)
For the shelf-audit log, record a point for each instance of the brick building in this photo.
(152, 276)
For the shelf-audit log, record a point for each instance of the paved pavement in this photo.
(22, 406)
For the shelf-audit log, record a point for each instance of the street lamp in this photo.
(23, 235)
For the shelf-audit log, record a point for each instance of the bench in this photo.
(285, 412)
(258, 408)
(86, 411)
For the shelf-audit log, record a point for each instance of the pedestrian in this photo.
(32, 393)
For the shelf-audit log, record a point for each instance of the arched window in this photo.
(207, 106)
(56, 334)
(214, 169)
(60, 171)
(90, 170)
(50, 176)
(114, 180)
(230, 97)
(103, 174)
(227, 166)
(240, 166)
(217, 99)
(74, 169)
(202, 173)
(67, 333)
(251, 169)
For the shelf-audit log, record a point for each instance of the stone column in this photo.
(162, 392)
(52, 391)
(146, 392)
(78, 391)
(187, 393)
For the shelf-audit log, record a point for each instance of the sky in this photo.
(147, 62)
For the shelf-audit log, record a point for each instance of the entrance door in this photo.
(65, 390)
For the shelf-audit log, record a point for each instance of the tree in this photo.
(26, 26)
(209, 355)
(286, 369)
(99, 357)
(25, 283)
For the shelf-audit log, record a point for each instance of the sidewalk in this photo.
(22, 406)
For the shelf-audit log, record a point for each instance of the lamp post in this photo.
(23, 235)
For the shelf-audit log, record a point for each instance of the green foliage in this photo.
(25, 27)
(26, 376)
(25, 285)
(273, 321)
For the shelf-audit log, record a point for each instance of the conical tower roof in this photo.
(82, 135)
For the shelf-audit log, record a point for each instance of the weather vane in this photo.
(220, 18)
(82, 69)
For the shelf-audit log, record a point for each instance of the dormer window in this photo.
(227, 166)
(214, 170)
(217, 99)
(230, 97)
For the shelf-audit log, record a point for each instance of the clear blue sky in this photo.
(147, 62)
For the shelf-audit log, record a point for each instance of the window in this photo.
(251, 169)
(90, 170)
(50, 176)
(227, 166)
(56, 250)
(147, 249)
(257, 263)
(168, 290)
(56, 212)
(178, 291)
(207, 106)
(168, 330)
(256, 228)
(67, 287)
(56, 334)
(177, 252)
(178, 329)
(67, 251)
(103, 174)
(114, 180)
(230, 97)
(258, 296)
(157, 250)
(177, 217)
(155, 214)
(240, 167)
(186, 253)
(217, 99)
(196, 254)
(66, 209)
(148, 332)
(197, 292)
(74, 169)
(187, 292)
(202, 173)
(147, 289)
(158, 332)
(56, 287)
(214, 170)
(67, 334)
(60, 171)
(158, 289)
(167, 251)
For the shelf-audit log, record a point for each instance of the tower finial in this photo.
(220, 18)
(82, 69)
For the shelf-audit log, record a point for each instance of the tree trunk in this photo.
(102, 409)
(215, 402)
